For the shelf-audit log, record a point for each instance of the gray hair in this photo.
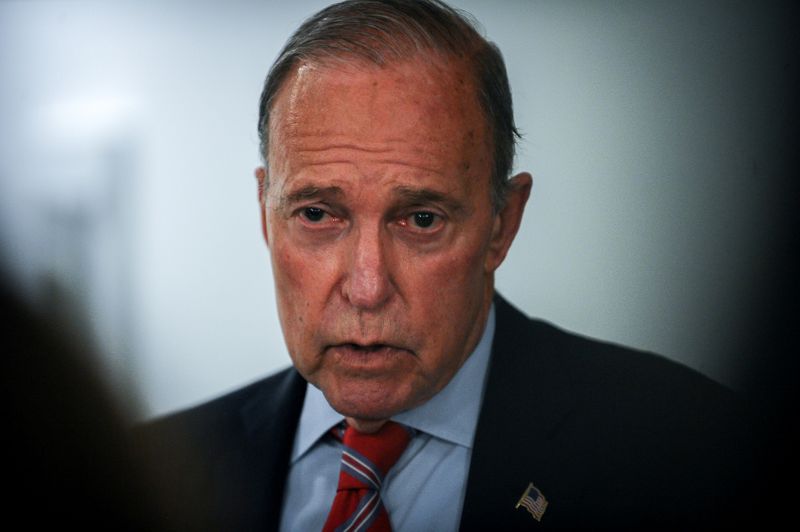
(380, 31)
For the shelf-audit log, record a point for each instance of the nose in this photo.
(368, 283)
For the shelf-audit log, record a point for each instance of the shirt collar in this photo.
(451, 414)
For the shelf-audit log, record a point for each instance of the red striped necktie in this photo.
(366, 459)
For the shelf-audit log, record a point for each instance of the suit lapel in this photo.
(270, 422)
(527, 398)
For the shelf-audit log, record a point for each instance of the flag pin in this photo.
(534, 501)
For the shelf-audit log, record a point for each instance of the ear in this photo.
(507, 221)
(261, 177)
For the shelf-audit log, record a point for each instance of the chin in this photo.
(372, 401)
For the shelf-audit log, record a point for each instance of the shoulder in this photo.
(228, 457)
(236, 410)
(601, 374)
(648, 432)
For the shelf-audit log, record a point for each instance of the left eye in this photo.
(423, 219)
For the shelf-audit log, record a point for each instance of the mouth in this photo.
(367, 356)
(364, 348)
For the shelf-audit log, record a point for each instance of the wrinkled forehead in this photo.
(430, 105)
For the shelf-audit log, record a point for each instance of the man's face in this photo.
(381, 231)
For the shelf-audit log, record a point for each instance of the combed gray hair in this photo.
(381, 31)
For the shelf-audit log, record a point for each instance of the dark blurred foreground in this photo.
(70, 459)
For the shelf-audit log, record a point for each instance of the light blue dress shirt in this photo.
(425, 489)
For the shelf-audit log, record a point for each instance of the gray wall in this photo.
(655, 131)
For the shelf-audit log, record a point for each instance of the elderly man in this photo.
(388, 139)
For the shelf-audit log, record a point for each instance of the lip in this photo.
(374, 356)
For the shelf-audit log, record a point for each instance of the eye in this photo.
(423, 219)
(313, 214)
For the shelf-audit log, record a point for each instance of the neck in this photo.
(366, 426)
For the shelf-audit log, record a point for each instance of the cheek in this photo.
(448, 288)
(305, 277)
(294, 289)
(292, 277)
(297, 267)
(459, 267)
(288, 269)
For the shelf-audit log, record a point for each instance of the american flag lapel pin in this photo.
(533, 500)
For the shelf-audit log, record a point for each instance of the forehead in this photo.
(426, 110)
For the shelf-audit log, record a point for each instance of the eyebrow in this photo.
(422, 196)
(311, 191)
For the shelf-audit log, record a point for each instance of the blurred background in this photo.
(660, 137)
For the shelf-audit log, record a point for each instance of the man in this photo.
(386, 202)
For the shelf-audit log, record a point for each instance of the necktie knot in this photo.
(369, 457)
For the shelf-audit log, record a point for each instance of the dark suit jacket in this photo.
(610, 436)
